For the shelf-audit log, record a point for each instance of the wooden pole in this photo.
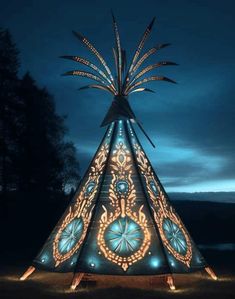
(170, 282)
(145, 134)
(76, 280)
(27, 273)
(211, 273)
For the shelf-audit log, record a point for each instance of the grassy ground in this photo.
(51, 285)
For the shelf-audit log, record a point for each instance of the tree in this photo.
(34, 155)
(9, 65)
(70, 174)
(47, 162)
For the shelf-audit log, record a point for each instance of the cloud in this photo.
(192, 122)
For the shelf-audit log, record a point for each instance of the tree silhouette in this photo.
(45, 157)
(34, 154)
(9, 65)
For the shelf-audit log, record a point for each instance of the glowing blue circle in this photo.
(70, 235)
(175, 236)
(124, 236)
(122, 186)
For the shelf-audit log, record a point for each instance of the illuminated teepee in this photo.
(120, 222)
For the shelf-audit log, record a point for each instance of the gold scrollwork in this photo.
(169, 214)
(82, 208)
(123, 203)
(161, 208)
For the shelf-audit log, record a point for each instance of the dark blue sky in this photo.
(192, 122)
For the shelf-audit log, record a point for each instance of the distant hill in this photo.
(224, 197)
(209, 222)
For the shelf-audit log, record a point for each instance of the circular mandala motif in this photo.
(90, 187)
(70, 235)
(122, 186)
(153, 187)
(124, 236)
(175, 236)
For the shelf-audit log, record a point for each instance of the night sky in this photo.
(192, 122)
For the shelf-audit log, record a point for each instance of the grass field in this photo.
(53, 285)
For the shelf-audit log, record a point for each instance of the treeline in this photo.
(34, 156)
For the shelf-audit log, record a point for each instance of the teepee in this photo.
(120, 221)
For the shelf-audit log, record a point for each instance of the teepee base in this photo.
(211, 273)
(76, 280)
(170, 282)
(27, 273)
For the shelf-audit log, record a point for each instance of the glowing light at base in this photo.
(28, 272)
(170, 282)
(154, 262)
(211, 273)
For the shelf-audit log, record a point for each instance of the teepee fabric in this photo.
(120, 221)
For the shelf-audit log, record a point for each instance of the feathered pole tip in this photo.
(151, 23)
(112, 14)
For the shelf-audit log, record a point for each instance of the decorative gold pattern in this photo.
(146, 55)
(161, 209)
(83, 206)
(123, 203)
(96, 53)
